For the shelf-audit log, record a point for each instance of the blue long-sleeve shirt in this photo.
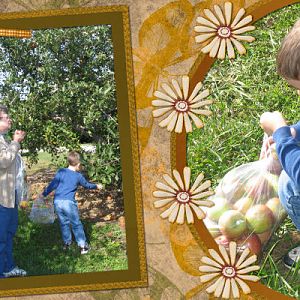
(288, 150)
(65, 184)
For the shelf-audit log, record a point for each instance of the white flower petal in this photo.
(210, 45)
(170, 182)
(201, 103)
(214, 254)
(211, 16)
(208, 277)
(163, 96)
(202, 195)
(187, 123)
(162, 194)
(189, 214)
(204, 29)
(180, 217)
(249, 277)
(197, 182)
(242, 23)
(172, 122)
(243, 285)
(228, 12)
(230, 50)
(196, 120)
(219, 288)
(179, 123)
(240, 48)
(234, 288)
(243, 30)
(222, 52)
(169, 91)
(214, 50)
(226, 291)
(195, 91)
(165, 187)
(186, 177)
(208, 269)
(242, 257)
(209, 261)
(161, 103)
(246, 38)
(224, 254)
(168, 119)
(232, 252)
(204, 112)
(177, 88)
(206, 22)
(213, 287)
(206, 203)
(203, 37)
(205, 185)
(161, 111)
(200, 96)
(173, 214)
(185, 86)
(168, 211)
(248, 270)
(178, 179)
(247, 262)
(219, 14)
(163, 202)
(238, 17)
(198, 211)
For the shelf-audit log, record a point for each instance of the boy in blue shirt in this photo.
(286, 137)
(65, 184)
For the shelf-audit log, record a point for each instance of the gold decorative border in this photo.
(136, 274)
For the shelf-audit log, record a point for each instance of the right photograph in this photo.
(250, 150)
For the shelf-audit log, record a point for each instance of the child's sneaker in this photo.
(85, 249)
(292, 257)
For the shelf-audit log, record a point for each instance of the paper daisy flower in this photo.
(229, 271)
(223, 32)
(183, 198)
(181, 106)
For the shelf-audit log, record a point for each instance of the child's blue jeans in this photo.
(67, 212)
(289, 195)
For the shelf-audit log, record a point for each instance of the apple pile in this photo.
(247, 208)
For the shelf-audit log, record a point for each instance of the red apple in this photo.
(260, 218)
(232, 223)
(277, 209)
(243, 204)
(221, 205)
(252, 242)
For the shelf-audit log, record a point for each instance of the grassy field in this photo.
(243, 89)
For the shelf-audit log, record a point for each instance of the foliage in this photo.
(59, 87)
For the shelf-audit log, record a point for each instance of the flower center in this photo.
(229, 272)
(224, 32)
(183, 197)
(181, 106)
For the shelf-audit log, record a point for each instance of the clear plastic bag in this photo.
(42, 212)
(21, 184)
(247, 207)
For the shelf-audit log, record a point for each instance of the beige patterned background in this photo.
(163, 47)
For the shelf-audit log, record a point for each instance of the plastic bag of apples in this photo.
(247, 207)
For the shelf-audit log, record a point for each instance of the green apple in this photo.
(232, 223)
(243, 204)
(260, 218)
(221, 205)
(277, 209)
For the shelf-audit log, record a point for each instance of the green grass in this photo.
(38, 249)
(243, 89)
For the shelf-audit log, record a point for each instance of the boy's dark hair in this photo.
(73, 158)
(288, 57)
(3, 109)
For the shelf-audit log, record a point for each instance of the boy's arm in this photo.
(88, 185)
(52, 185)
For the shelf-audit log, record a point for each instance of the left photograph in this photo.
(62, 206)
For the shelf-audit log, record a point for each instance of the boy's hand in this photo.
(19, 136)
(99, 186)
(271, 121)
